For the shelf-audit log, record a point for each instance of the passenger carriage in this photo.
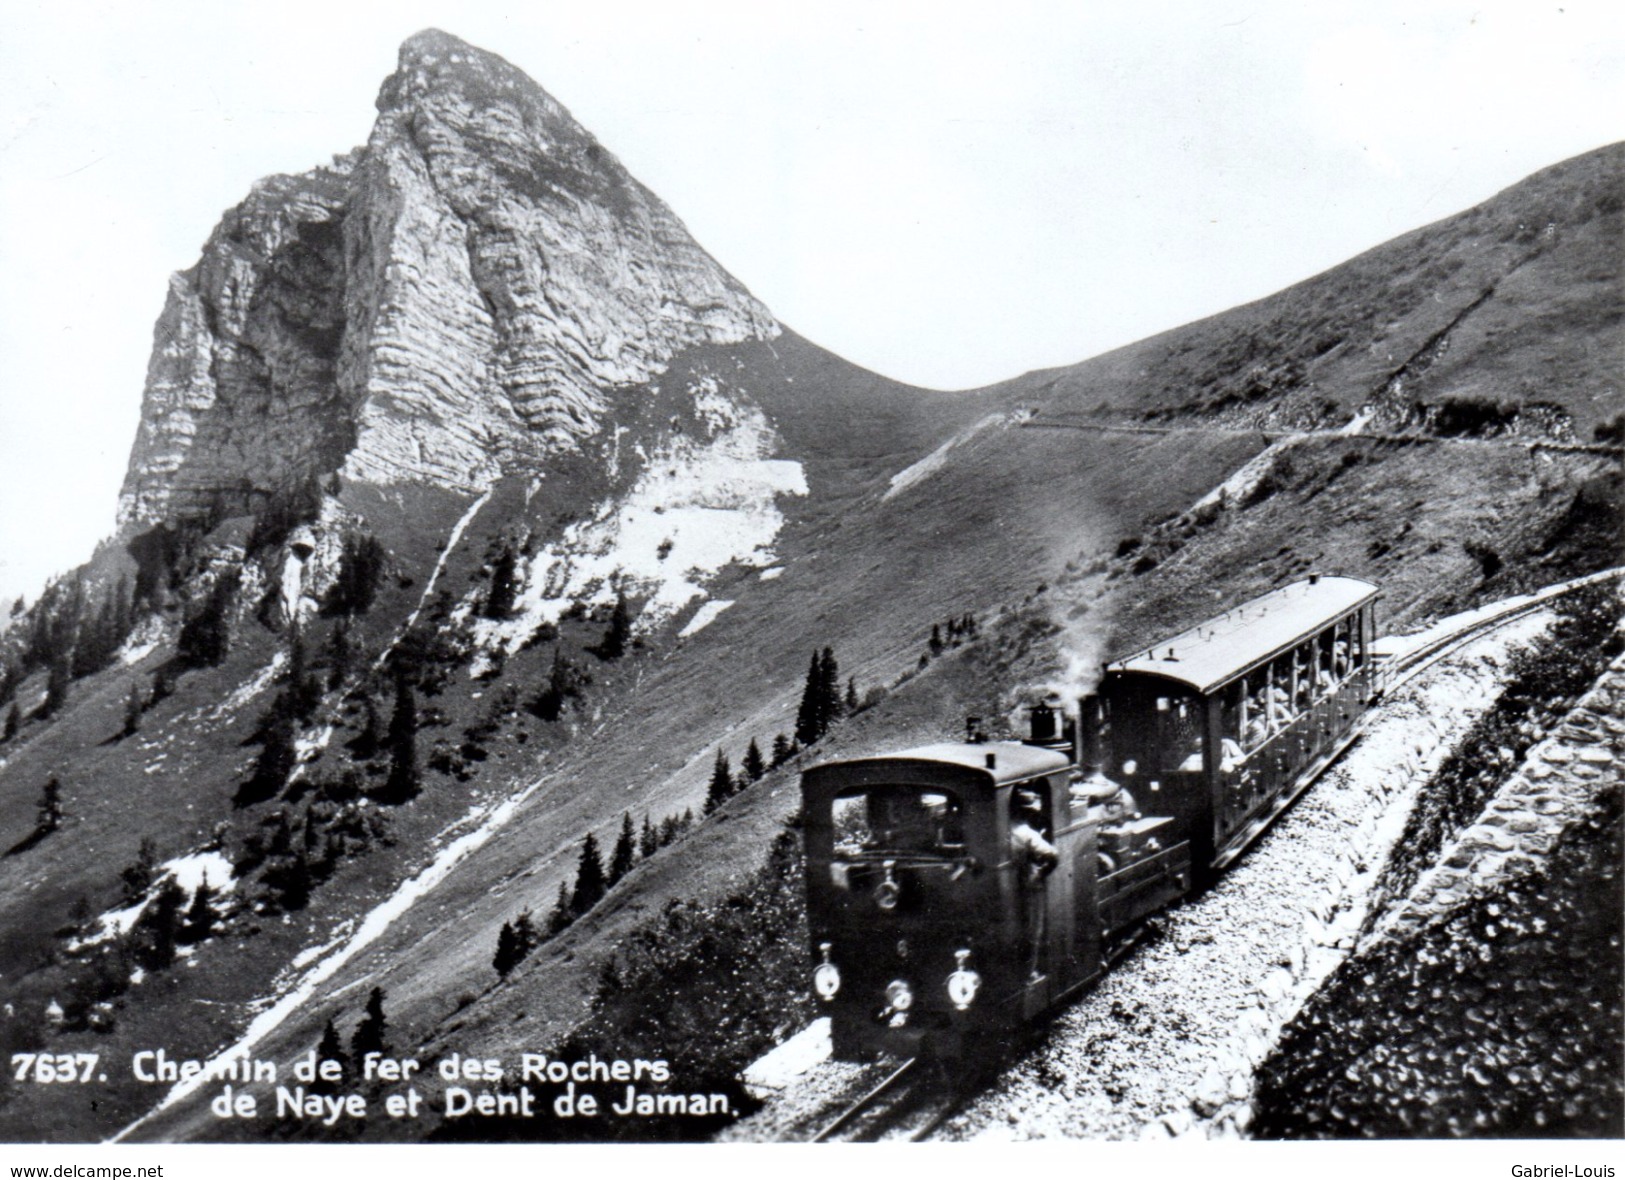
(1223, 725)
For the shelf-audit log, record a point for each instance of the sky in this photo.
(948, 193)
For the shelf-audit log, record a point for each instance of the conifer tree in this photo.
(14, 722)
(507, 953)
(361, 568)
(404, 776)
(722, 783)
(524, 930)
(621, 860)
(589, 888)
(161, 924)
(56, 683)
(367, 743)
(205, 636)
(369, 1034)
(669, 830)
(134, 705)
(753, 763)
(137, 875)
(783, 750)
(50, 806)
(648, 839)
(562, 914)
(200, 915)
(339, 655)
(613, 645)
(852, 699)
(163, 684)
(10, 677)
(499, 601)
(303, 691)
(277, 757)
(829, 691)
(330, 1048)
(936, 640)
(809, 713)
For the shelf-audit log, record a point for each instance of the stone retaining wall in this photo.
(1487, 1002)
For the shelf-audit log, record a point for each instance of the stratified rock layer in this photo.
(464, 290)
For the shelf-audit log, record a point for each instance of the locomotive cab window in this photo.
(899, 819)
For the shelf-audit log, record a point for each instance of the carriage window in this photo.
(1256, 721)
(1181, 737)
(898, 819)
(1340, 650)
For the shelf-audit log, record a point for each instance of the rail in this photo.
(863, 1104)
(1411, 662)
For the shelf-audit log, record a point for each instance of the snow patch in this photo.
(434, 576)
(697, 507)
(769, 575)
(1246, 477)
(778, 1070)
(915, 472)
(307, 747)
(143, 641)
(189, 871)
(311, 953)
(705, 616)
(248, 690)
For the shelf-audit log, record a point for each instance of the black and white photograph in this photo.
(1023, 576)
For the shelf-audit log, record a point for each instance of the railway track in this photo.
(1403, 665)
(909, 1103)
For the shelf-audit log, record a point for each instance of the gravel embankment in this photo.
(1495, 987)
(1168, 1043)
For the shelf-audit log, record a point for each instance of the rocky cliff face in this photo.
(464, 290)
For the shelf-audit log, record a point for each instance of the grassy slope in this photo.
(1546, 251)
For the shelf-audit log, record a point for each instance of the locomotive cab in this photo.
(935, 929)
(913, 895)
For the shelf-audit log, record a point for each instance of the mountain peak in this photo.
(465, 292)
(433, 60)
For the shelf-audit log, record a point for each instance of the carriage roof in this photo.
(1222, 648)
(1012, 761)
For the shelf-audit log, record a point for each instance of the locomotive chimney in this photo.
(1088, 732)
(1045, 723)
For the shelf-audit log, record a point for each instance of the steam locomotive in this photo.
(958, 892)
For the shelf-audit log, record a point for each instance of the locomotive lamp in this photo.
(963, 983)
(899, 995)
(826, 976)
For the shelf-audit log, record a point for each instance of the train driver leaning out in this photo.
(1035, 857)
